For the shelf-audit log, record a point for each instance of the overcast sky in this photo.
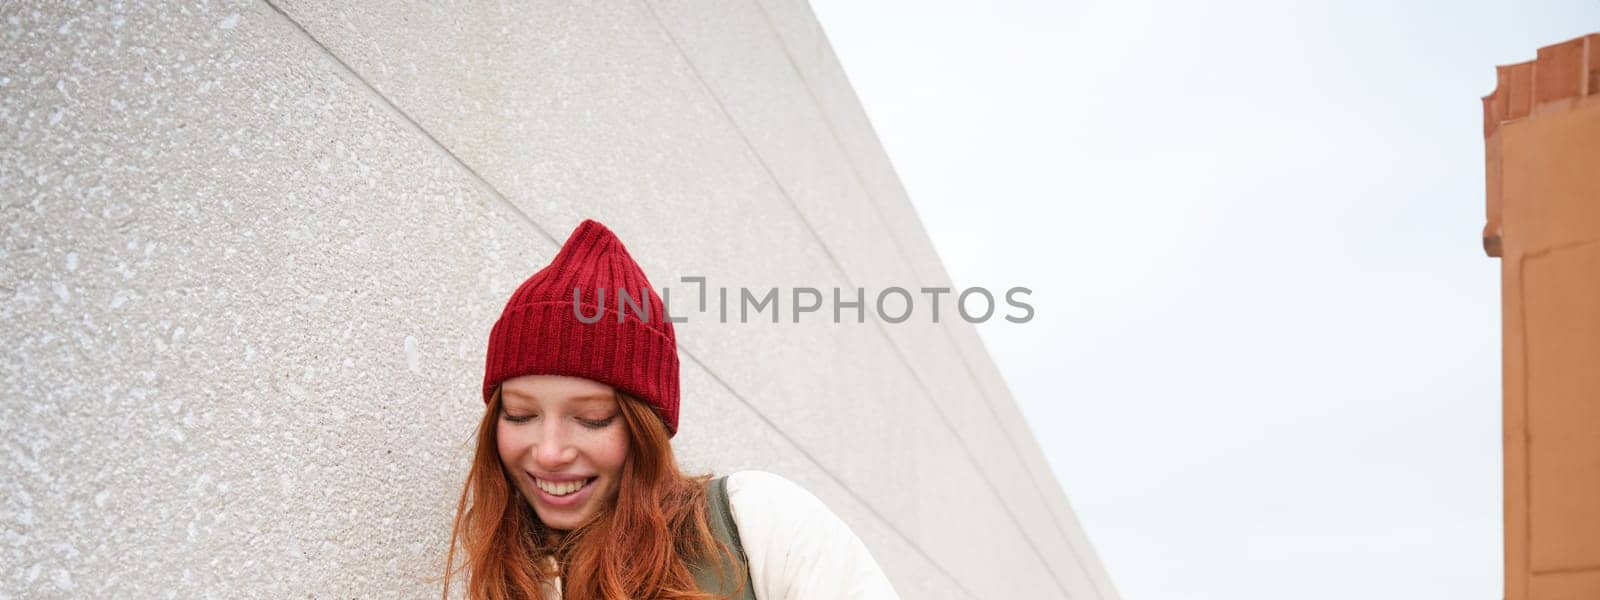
(1265, 361)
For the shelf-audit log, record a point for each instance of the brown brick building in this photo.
(1542, 142)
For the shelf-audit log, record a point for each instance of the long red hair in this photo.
(638, 546)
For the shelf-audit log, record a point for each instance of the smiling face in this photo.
(563, 443)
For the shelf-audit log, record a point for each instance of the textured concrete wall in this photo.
(1542, 130)
(253, 251)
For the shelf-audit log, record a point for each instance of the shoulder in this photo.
(754, 495)
(764, 486)
(770, 508)
(796, 547)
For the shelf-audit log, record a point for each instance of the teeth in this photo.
(559, 489)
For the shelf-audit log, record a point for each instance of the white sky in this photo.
(1265, 359)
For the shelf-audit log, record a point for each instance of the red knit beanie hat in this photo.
(541, 333)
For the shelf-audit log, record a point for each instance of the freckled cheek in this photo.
(511, 444)
(613, 453)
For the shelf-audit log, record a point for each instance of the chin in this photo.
(566, 519)
(560, 524)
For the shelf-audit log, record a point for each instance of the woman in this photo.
(574, 492)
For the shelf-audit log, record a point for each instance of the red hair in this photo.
(640, 545)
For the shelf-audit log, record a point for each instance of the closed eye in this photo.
(597, 423)
(518, 418)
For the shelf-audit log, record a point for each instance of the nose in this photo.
(554, 448)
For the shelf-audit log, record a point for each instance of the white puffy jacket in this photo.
(797, 548)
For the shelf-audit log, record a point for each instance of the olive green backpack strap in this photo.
(734, 577)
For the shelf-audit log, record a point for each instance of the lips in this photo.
(559, 491)
(560, 488)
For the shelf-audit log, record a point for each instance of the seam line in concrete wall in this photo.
(384, 102)
(489, 189)
(927, 393)
(872, 200)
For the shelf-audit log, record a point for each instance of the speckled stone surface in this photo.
(253, 250)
